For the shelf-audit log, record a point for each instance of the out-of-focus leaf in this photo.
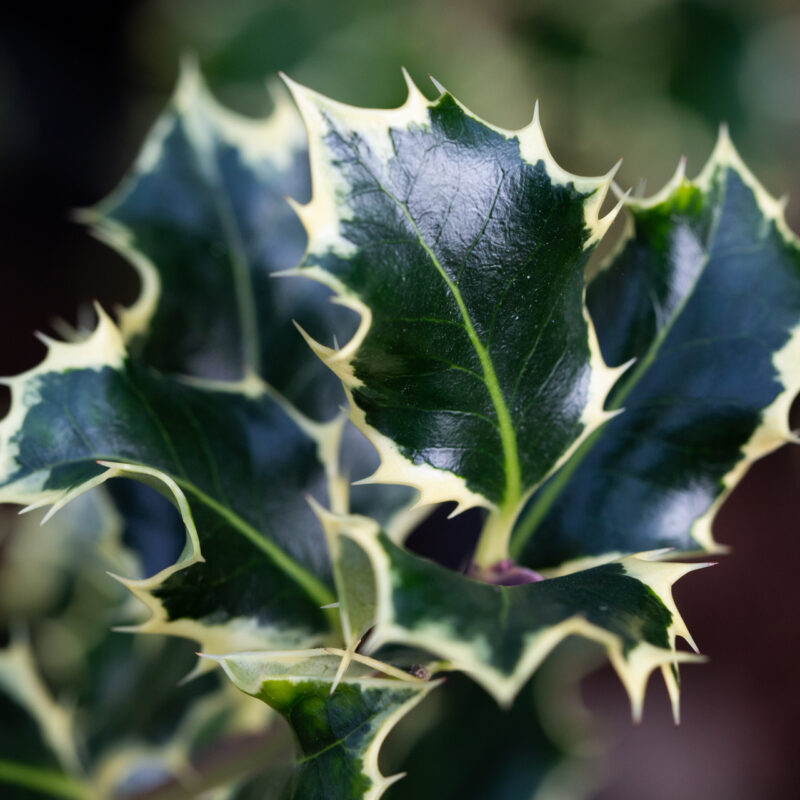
(204, 220)
(118, 717)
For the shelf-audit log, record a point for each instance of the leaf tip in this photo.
(415, 95)
(84, 216)
(329, 521)
(210, 656)
(392, 779)
(128, 583)
(323, 352)
(439, 87)
(793, 437)
(677, 179)
(190, 84)
(188, 64)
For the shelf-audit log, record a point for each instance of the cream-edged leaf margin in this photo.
(250, 681)
(274, 139)
(321, 218)
(20, 679)
(633, 669)
(102, 348)
(105, 348)
(774, 429)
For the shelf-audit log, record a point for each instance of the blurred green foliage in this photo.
(649, 80)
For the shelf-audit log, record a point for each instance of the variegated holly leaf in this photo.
(252, 454)
(704, 292)
(128, 721)
(474, 370)
(38, 753)
(255, 570)
(129, 726)
(339, 725)
(203, 219)
(499, 635)
(542, 748)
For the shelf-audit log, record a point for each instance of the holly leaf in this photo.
(704, 294)
(204, 179)
(204, 221)
(499, 635)
(130, 720)
(339, 731)
(40, 753)
(255, 570)
(474, 370)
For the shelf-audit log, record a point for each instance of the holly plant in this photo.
(348, 317)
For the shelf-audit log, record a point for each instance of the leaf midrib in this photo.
(315, 589)
(240, 265)
(341, 742)
(508, 437)
(530, 522)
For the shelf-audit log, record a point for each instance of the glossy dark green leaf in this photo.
(500, 634)
(204, 220)
(203, 217)
(339, 732)
(462, 247)
(205, 202)
(704, 292)
(256, 565)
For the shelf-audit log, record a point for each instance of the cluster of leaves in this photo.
(86, 712)
(438, 289)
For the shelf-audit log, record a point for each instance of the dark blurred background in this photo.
(649, 80)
